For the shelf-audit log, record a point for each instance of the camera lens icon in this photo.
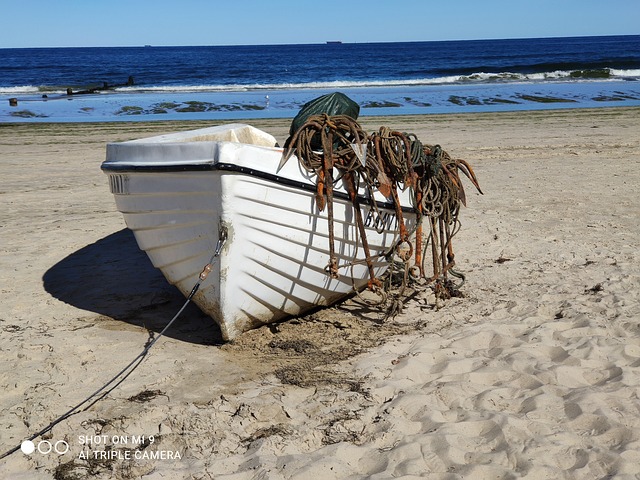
(45, 447)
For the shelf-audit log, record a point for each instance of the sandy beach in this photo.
(532, 374)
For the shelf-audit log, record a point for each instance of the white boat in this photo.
(182, 193)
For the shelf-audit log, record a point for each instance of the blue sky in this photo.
(76, 23)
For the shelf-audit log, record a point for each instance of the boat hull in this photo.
(272, 264)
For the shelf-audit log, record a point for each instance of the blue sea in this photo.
(267, 81)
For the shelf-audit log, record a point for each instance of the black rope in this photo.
(131, 367)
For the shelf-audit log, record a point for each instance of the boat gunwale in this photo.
(234, 168)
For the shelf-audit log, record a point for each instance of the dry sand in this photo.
(533, 374)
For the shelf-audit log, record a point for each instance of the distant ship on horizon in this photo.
(334, 42)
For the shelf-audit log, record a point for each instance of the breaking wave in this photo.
(604, 74)
(474, 78)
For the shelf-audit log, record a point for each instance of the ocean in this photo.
(266, 81)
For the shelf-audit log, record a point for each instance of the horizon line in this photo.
(332, 43)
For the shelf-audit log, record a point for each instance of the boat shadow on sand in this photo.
(114, 278)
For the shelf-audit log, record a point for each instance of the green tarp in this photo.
(332, 104)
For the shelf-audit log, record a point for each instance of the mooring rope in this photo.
(122, 375)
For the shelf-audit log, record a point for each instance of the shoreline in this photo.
(391, 101)
(533, 373)
(279, 123)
